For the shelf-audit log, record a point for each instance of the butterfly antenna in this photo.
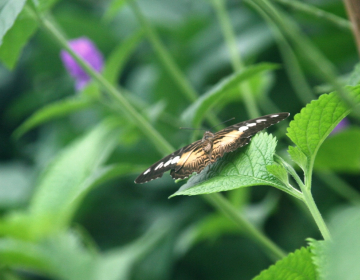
(223, 122)
(189, 128)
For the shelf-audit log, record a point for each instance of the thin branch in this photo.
(353, 10)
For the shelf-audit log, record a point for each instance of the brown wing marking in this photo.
(195, 162)
(187, 153)
(227, 141)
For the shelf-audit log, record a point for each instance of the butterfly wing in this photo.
(173, 161)
(194, 161)
(192, 158)
(238, 135)
(225, 141)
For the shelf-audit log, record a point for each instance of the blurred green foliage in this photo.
(69, 207)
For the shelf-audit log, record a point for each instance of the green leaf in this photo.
(242, 168)
(52, 111)
(64, 183)
(195, 113)
(65, 180)
(113, 9)
(319, 255)
(314, 123)
(61, 256)
(259, 84)
(116, 61)
(19, 34)
(23, 254)
(9, 11)
(279, 172)
(297, 265)
(340, 152)
(343, 253)
(298, 157)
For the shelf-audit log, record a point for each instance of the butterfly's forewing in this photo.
(172, 161)
(192, 158)
(238, 135)
(227, 140)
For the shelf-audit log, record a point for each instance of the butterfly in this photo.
(196, 156)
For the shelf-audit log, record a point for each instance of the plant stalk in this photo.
(310, 203)
(237, 63)
(305, 49)
(353, 10)
(318, 13)
(223, 205)
(168, 61)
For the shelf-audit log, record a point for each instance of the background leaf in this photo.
(52, 111)
(65, 249)
(340, 152)
(343, 253)
(21, 29)
(297, 265)
(9, 11)
(63, 183)
(195, 113)
(45, 5)
(117, 59)
(113, 9)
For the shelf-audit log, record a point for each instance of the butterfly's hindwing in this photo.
(231, 138)
(196, 162)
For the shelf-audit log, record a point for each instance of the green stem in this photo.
(290, 170)
(304, 48)
(229, 34)
(162, 145)
(230, 39)
(168, 61)
(310, 203)
(292, 66)
(318, 13)
(163, 55)
(218, 201)
(307, 196)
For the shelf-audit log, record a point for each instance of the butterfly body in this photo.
(196, 156)
(207, 143)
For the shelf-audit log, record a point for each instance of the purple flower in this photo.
(341, 126)
(87, 50)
